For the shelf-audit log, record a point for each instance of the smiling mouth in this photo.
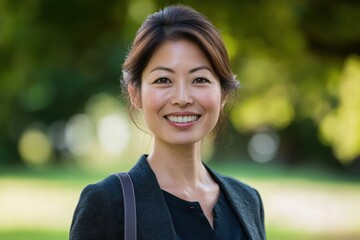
(183, 119)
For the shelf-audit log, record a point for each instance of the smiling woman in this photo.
(178, 75)
(174, 92)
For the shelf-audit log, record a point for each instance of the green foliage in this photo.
(341, 126)
(291, 57)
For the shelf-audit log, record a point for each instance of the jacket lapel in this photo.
(153, 218)
(243, 206)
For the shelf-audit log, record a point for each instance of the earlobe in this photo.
(134, 96)
(223, 104)
(223, 100)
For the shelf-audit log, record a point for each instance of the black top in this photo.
(190, 221)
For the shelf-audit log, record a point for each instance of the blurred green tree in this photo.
(297, 62)
(54, 56)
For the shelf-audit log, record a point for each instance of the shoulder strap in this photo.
(129, 206)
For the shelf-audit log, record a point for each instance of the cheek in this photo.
(211, 100)
(152, 101)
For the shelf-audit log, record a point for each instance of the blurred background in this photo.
(293, 133)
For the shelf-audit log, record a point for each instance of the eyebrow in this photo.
(201, 68)
(162, 68)
(190, 71)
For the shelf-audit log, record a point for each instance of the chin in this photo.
(183, 141)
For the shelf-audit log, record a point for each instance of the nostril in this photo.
(182, 101)
(181, 97)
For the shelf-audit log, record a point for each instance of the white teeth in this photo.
(182, 119)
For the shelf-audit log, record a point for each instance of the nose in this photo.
(181, 95)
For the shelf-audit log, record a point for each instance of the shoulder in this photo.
(248, 194)
(98, 210)
(103, 193)
(102, 190)
(240, 186)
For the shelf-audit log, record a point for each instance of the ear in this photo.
(134, 94)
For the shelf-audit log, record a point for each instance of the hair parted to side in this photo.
(176, 22)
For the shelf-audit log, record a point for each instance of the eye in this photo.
(162, 80)
(200, 80)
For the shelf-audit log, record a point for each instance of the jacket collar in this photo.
(153, 213)
(242, 205)
(153, 218)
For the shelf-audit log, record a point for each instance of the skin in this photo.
(179, 81)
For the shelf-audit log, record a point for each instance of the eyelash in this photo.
(199, 80)
(162, 80)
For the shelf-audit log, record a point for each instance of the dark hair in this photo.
(175, 23)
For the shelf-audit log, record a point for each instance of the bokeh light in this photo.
(79, 134)
(263, 146)
(113, 133)
(34, 146)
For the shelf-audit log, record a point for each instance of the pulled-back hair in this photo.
(176, 22)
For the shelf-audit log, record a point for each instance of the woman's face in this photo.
(180, 94)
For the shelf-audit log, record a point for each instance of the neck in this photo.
(178, 166)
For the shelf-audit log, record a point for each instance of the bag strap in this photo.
(129, 206)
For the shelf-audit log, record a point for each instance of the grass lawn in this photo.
(33, 234)
(299, 203)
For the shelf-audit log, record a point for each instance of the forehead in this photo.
(178, 53)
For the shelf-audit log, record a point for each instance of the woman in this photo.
(177, 73)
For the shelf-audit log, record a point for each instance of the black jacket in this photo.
(99, 213)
